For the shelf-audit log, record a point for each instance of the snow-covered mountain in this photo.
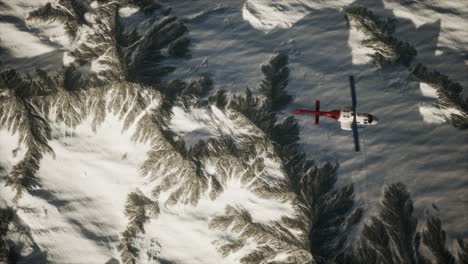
(143, 131)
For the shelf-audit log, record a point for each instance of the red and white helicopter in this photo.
(347, 116)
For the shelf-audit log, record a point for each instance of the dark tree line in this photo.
(7, 254)
(69, 12)
(390, 237)
(327, 206)
(10, 249)
(138, 61)
(389, 50)
(450, 93)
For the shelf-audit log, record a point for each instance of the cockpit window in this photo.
(371, 118)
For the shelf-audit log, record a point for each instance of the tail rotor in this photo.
(317, 110)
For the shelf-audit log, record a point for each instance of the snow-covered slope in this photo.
(83, 184)
(266, 15)
(127, 134)
(100, 164)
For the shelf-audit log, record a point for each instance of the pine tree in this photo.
(434, 238)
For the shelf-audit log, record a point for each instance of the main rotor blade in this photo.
(353, 92)
(355, 134)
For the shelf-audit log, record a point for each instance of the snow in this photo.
(84, 187)
(51, 227)
(10, 152)
(30, 44)
(360, 53)
(191, 125)
(437, 114)
(20, 8)
(273, 167)
(266, 15)
(431, 114)
(32, 32)
(127, 11)
(21, 44)
(452, 14)
(100, 64)
(182, 231)
(53, 32)
(183, 239)
(201, 124)
(428, 90)
(430, 159)
(77, 211)
(67, 59)
(85, 183)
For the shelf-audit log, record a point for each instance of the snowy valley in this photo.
(144, 131)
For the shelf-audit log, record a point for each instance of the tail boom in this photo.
(335, 114)
(317, 110)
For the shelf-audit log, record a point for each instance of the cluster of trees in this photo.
(325, 205)
(69, 12)
(137, 61)
(450, 93)
(6, 253)
(10, 229)
(390, 237)
(331, 212)
(139, 209)
(129, 58)
(389, 50)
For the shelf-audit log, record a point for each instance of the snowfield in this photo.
(200, 243)
(83, 190)
(196, 124)
(267, 15)
(127, 134)
(23, 44)
(433, 114)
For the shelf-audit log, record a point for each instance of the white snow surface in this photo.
(267, 15)
(20, 8)
(127, 11)
(432, 113)
(200, 124)
(437, 114)
(21, 44)
(182, 231)
(78, 212)
(428, 90)
(360, 53)
(10, 152)
(451, 14)
(85, 183)
(30, 44)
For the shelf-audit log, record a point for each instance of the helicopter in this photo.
(347, 116)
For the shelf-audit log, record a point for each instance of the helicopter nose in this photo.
(375, 121)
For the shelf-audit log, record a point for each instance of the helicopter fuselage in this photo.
(344, 116)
